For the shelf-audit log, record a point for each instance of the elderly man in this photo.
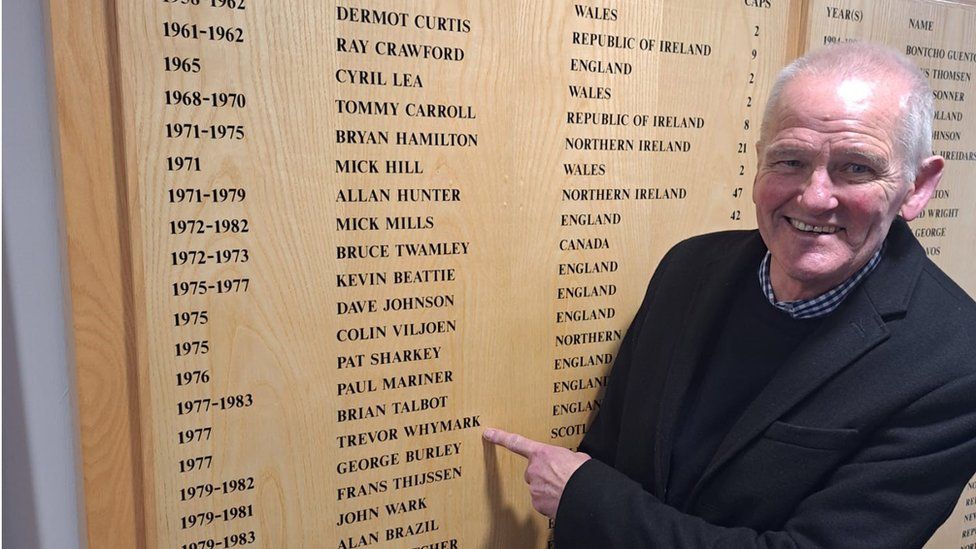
(809, 385)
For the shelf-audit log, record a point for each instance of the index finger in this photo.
(514, 442)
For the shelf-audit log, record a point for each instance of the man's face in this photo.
(829, 180)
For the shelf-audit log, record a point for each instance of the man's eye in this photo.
(790, 163)
(858, 169)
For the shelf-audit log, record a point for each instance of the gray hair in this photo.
(864, 59)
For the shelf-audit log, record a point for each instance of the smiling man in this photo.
(836, 165)
(809, 384)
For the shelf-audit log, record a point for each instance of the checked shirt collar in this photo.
(821, 305)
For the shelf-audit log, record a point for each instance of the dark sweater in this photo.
(754, 341)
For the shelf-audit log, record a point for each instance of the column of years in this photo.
(396, 421)
(207, 232)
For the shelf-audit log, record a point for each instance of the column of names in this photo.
(397, 308)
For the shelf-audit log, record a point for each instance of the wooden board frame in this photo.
(84, 67)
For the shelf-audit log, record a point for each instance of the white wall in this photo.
(40, 504)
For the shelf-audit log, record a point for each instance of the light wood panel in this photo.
(343, 238)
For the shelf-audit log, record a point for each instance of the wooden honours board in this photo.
(316, 247)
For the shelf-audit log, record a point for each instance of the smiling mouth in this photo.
(819, 229)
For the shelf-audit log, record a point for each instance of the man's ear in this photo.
(929, 175)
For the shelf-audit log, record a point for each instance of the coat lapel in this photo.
(836, 344)
(705, 312)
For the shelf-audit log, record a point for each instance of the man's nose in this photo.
(818, 195)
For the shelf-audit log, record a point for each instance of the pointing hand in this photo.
(548, 470)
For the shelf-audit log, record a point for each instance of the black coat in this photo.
(864, 438)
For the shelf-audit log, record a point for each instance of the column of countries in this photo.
(642, 149)
(968, 501)
(601, 138)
